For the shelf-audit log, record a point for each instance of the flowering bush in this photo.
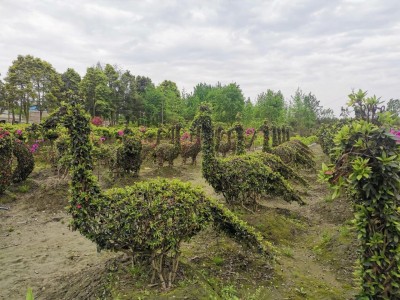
(250, 131)
(6, 159)
(396, 134)
(35, 146)
(25, 161)
(120, 132)
(185, 137)
(97, 121)
(4, 133)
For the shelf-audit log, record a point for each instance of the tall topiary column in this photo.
(265, 129)
(368, 168)
(278, 132)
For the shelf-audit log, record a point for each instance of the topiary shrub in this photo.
(129, 158)
(296, 153)
(265, 130)
(368, 169)
(25, 161)
(326, 135)
(241, 179)
(6, 150)
(151, 217)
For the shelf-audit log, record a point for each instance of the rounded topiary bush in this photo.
(6, 159)
(25, 161)
(129, 154)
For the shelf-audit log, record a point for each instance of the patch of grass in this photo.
(277, 227)
(25, 188)
(218, 261)
(288, 252)
(306, 287)
(229, 292)
(7, 197)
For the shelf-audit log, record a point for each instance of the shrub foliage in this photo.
(6, 159)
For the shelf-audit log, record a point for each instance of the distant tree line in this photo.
(119, 96)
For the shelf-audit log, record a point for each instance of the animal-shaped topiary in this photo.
(218, 136)
(191, 149)
(167, 151)
(270, 160)
(151, 217)
(252, 139)
(148, 147)
(295, 152)
(241, 179)
(129, 158)
(291, 152)
(226, 146)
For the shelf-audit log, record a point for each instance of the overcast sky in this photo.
(324, 47)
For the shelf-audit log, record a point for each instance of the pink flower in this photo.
(78, 206)
(250, 131)
(185, 136)
(396, 134)
(19, 131)
(142, 129)
(102, 139)
(97, 121)
(120, 132)
(34, 148)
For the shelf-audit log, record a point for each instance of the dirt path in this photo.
(38, 250)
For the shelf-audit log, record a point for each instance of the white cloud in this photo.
(324, 47)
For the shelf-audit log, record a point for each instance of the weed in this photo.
(301, 291)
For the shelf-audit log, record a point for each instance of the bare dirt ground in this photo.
(38, 250)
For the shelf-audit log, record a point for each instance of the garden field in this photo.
(316, 246)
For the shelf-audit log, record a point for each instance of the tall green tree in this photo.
(173, 105)
(248, 114)
(47, 85)
(114, 84)
(227, 102)
(33, 81)
(71, 80)
(192, 101)
(96, 93)
(3, 102)
(271, 105)
(393, 106)
(304, 111)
